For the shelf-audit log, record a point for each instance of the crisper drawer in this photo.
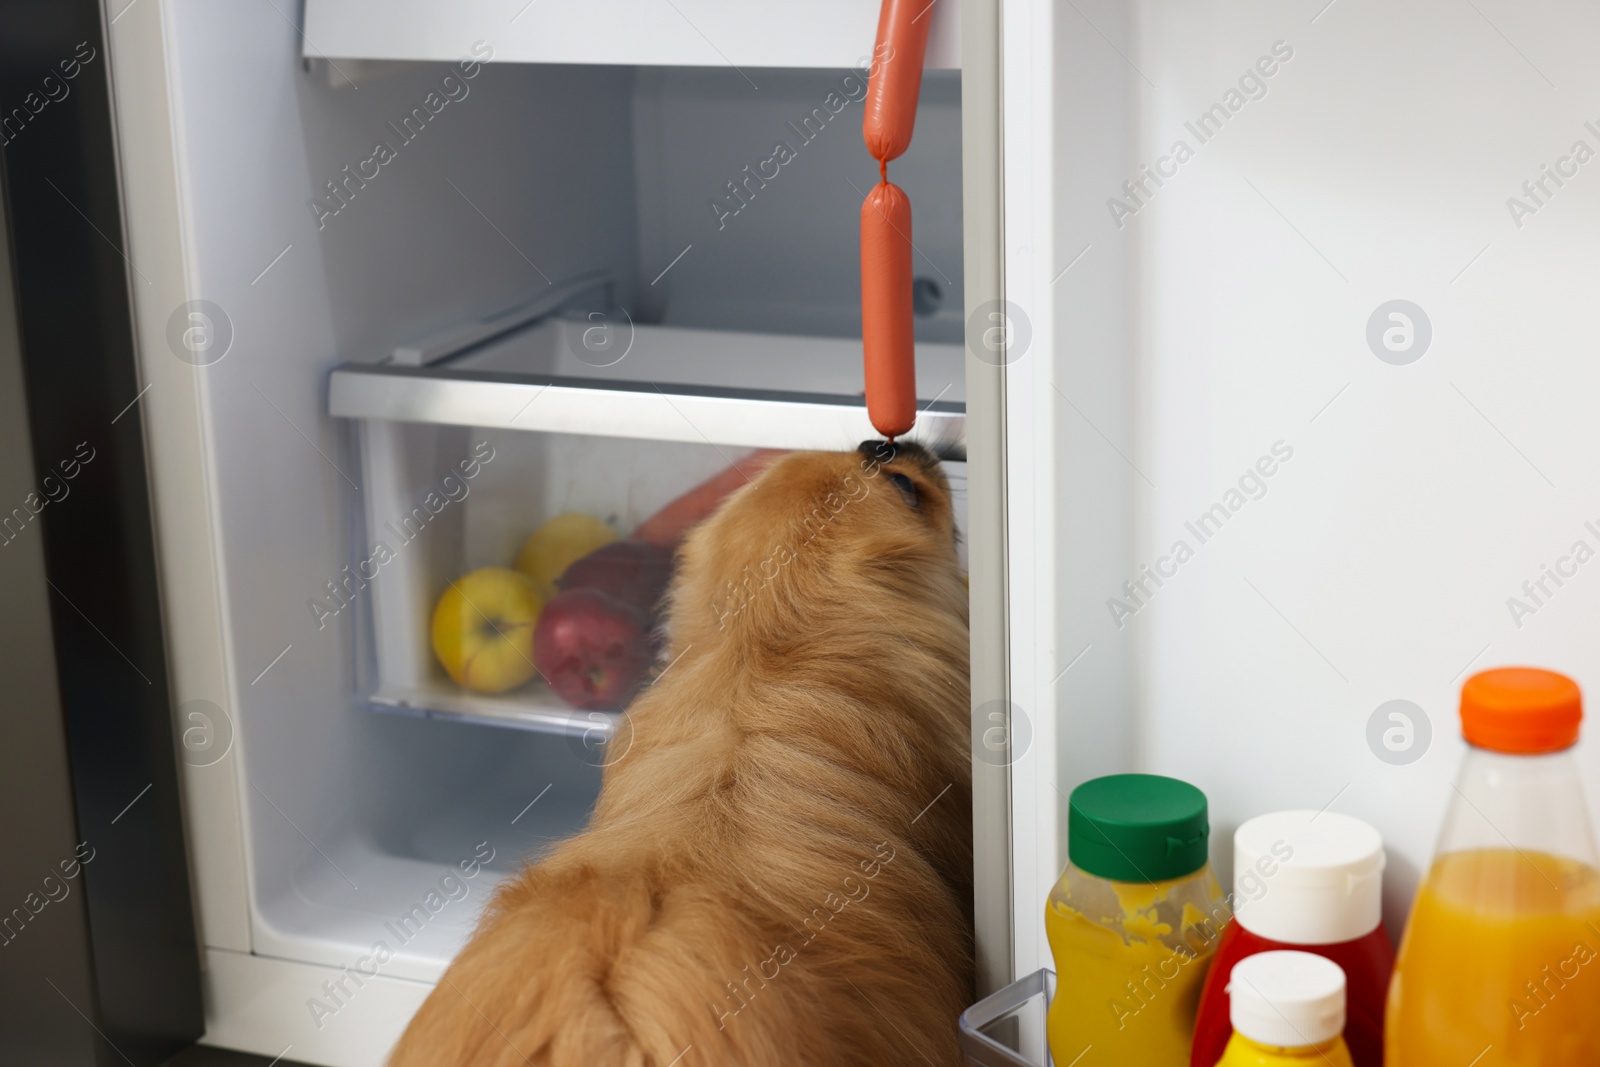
(514, 506)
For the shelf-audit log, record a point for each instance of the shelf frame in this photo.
(654, 411)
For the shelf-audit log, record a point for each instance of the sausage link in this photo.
(896, 79)
(888, 344)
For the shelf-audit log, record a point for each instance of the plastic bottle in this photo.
(1287, 1010)
(1500, 963)
(1311, 881)
(1132, 922)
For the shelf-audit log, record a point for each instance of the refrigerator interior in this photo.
(1364, 501)
(501, 182)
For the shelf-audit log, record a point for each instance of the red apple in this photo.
(634, 572)
(592, 648)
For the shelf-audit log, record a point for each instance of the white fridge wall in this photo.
(1379, 563)
(787, 258)
(329, 790)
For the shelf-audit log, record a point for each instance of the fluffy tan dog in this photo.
(778, 871)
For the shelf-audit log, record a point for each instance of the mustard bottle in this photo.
(1132, 922)
(1287, 1010)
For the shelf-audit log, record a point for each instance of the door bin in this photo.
(1007, 1028)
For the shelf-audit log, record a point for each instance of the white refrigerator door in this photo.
(1300, 436)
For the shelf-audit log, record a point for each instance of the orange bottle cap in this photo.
(1521, 710)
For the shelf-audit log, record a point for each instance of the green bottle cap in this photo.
(1137, 828)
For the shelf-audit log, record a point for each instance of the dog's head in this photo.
(817, 531)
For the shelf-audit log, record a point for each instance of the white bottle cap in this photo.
(1286, 999)
(1307, 878)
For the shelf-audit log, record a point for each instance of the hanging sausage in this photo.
(887, 334)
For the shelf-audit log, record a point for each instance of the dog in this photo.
(779, 867)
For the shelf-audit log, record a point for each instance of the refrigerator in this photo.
(1254, 339)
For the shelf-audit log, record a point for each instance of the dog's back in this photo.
(779, 867)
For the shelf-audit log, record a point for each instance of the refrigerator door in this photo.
(101, 963)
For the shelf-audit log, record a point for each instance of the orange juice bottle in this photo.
(1500, 963)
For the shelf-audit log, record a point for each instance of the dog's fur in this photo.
(778, 871)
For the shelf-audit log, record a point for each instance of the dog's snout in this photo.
(882, 451)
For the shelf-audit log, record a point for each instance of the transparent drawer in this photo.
(515, 577)
(468, 538)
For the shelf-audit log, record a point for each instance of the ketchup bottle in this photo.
(1312, 882)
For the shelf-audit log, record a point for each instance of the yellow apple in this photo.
(483, 629)
(558, 544)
